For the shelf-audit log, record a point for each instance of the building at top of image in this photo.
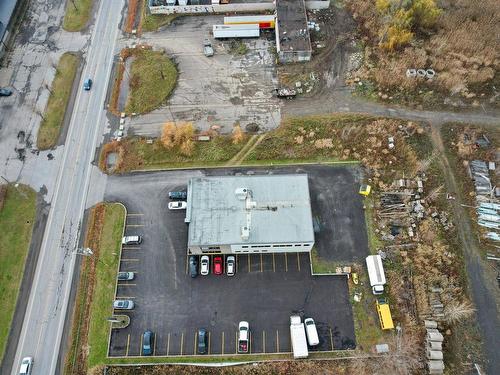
(249, 214)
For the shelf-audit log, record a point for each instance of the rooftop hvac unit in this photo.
(245, 233)
(241, 193)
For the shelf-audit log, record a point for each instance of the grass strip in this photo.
(60, 92)
(89, 338)
(77, 14)
(106, 271)
(17, 217)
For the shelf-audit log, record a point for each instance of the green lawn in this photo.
(16, 224)
(153, 77)
(60, 92)
(104, 293)
(77, 14)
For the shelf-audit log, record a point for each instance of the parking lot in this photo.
(265, 291)
(221, 90)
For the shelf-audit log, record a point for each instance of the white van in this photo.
(312, 333)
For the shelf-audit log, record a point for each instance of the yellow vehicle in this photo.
(365, 190)
(384, 314)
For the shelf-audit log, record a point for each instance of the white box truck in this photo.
(376, 273)
(298, 337)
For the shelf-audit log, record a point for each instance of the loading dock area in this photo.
(174, 306)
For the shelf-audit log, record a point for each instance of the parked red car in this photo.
(218, 265)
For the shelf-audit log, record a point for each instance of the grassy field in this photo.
(77, 14)
(60, 92)
(153, 77)
(89, 337)
(152, 22)
(299, 140)
(16, 224)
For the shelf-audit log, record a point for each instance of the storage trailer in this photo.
(236, 31)
(265, 21)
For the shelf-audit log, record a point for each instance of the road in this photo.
(46, 312)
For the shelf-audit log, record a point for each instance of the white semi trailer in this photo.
(236, 31)
(298, 337)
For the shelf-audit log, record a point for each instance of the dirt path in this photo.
(342, 101)
(482, 284)
(249, 147)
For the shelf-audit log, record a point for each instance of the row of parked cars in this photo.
(218, 266)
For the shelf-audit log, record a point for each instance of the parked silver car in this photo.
(123, 304)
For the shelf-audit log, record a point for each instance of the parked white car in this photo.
(179, 205)
(312, 333)
(205, 265)
(131, 240)
(123, 304)
(230, 265)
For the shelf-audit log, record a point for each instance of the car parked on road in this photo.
(126, 276)
(202, 341)
(87, 85)
(123, 304)
(26, 366)
(218, 265)
(147, 342)
(178, 205)
(5, 92)
(178, 195)
(193, 265)
(131, 240)
(230, 265)
(205, 265)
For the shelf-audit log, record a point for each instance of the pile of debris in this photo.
(402, 207)
(479, 171)
(434, 348)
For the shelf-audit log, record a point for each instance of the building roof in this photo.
(217, 210)
(292, 31)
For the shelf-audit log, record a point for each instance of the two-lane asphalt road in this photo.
(47, 306)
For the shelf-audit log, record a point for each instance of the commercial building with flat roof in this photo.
(249, 214)
(293, 42)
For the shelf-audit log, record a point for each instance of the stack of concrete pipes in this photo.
(434, 348)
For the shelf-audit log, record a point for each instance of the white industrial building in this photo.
(249, 214)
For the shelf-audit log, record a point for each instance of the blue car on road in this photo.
(87, 84)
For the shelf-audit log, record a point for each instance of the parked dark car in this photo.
(87, 85)
(5, 92)
(193, 265)
(202, 341)
(147, 343)
(182, 195)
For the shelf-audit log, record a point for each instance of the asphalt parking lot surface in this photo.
(265, 291)
(221, 90)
